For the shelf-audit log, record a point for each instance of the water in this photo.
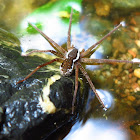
(95, 19)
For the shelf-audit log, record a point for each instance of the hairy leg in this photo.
(38, 67)
(69, 33)
(51, 51)
(76, 87)
(90, 83)
(52, 43)
(94, 45)
(108, 61)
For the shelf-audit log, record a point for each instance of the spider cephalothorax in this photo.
(71, 58)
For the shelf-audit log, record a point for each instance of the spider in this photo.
(71, 58)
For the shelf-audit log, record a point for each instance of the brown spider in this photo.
(71, 57)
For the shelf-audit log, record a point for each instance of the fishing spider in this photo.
(71, 57)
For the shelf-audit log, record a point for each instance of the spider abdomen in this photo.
(66, 67)
(68, 64)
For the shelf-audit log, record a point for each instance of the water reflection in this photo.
(105, 96)
(55, 32)
(97, 130)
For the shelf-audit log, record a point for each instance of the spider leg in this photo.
(90, 83)
(76, 86)
(69, 32)
(38, 67)
(52, 43)
(94, 45)
(108, 61)
(51, 51)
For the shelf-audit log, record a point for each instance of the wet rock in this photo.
(133, 52)
(127, 66)
(137, 72)
(137, 43)
(102, 8)
(11, 12)
(21, 113)
(118, 44)
(131, 98)
(9, 39)
(112, 8)
(126, 4)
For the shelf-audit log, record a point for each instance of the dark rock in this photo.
(21, 112)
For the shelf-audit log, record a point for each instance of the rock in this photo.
(137, 72)
(137, 43)
(118, 44)
(108, 8)
(21, 113)
(133, 52)
(126, 4)
(102, 9)
(131, 98)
